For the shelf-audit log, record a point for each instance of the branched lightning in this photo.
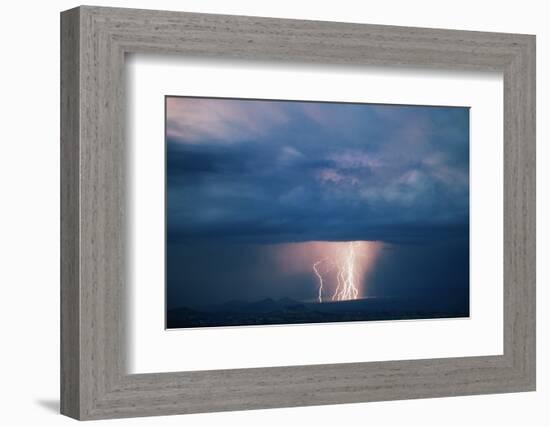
(346, 275)
(320, 277)
(339, 281)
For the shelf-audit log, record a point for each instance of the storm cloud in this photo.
(272, 171)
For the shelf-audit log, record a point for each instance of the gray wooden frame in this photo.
(94, 41)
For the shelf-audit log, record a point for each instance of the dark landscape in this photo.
(284, 311)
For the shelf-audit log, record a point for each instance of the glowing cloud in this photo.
(340, 268)
(349, 267)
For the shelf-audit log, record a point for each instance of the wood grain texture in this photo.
(94, 382)
(70, 220)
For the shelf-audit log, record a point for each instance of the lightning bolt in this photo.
(339, 280)
(320, 277)
(346, 275)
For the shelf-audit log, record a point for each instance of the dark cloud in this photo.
(323, 171)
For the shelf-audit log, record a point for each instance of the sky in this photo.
(249, 181)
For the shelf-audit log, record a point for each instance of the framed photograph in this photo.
(262, 213)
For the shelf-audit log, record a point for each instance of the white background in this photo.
(29, 222)
(152, 349)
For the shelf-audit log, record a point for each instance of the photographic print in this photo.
(295, 212)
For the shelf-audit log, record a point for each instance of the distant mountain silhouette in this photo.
(269, 311)
(230, 305)
(288, 302)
